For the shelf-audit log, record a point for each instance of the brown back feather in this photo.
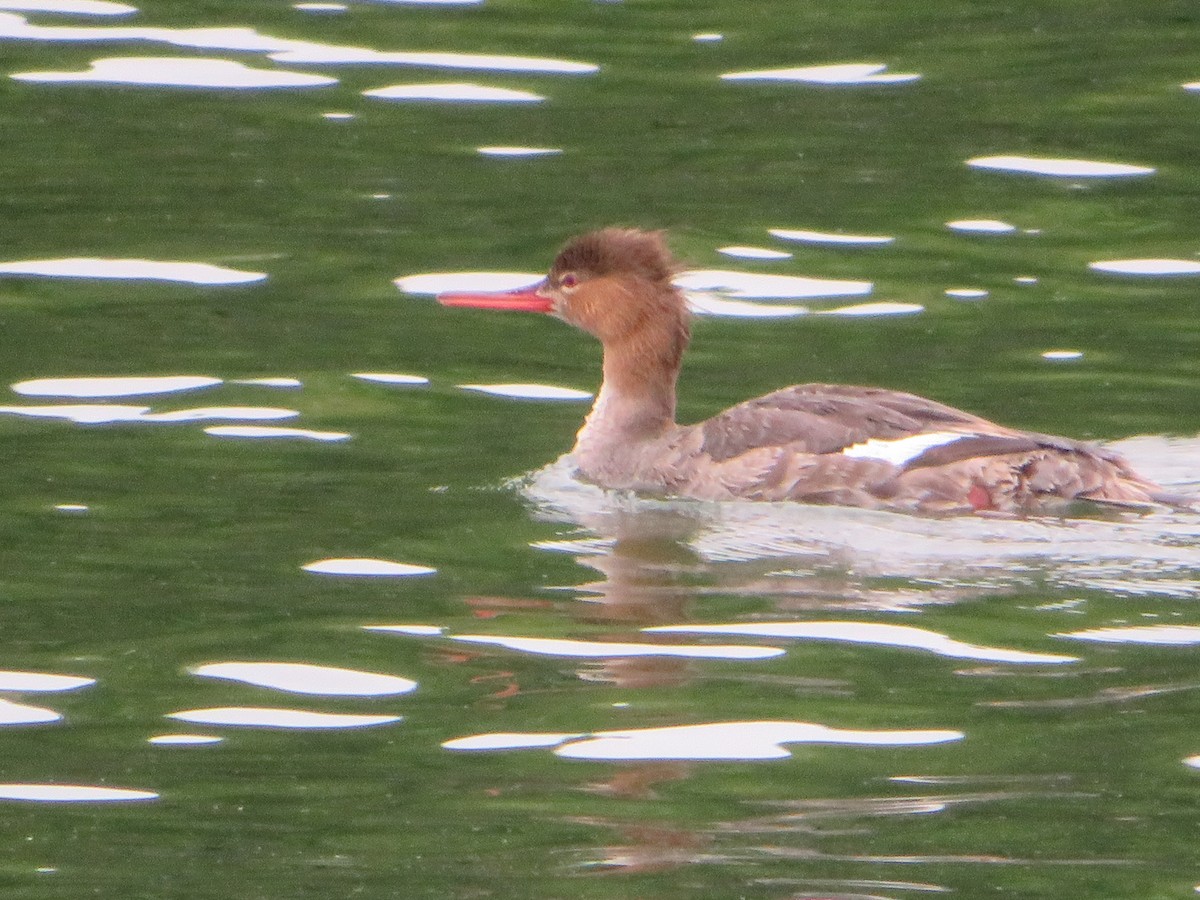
(826, 418)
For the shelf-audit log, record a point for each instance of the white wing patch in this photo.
(902, 450)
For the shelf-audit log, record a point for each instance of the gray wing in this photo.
(822, 418)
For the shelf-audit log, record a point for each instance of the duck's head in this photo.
(610, 283)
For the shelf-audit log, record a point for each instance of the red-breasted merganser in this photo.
(814, 443)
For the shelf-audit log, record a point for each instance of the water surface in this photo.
(295, 601)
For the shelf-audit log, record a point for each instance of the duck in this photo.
(843, 445)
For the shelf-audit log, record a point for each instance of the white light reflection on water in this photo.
(1062, 355)
(1164, 267)
(753, 286)
(392, 378)
(529, 391)
(713, 741)
(416, 630)
(702, 304)
(826, 884)
(180, 71)
(1171, 461)
(81, 413)
(1167, 635)
(70, 7)
(273, 717)
(881, 308)
(575, 649)
(739, 252)
(228, 413)
(132, 269)
(455, 92)
(102, 413)
(72, 793)
(1057, 168)
(16, 27)
(512, 740)
(20, 714)
(803, 236)
(366, 567)
(284, 50)
(882, 635)
(184, 740)
(981, 226)
(113, 386)
(303, 53)
(515, 152)
(429, 2)
(270, 432)
(304, 678)
(270, 382)
(42, 682)
(431, 283)
(838, 74)
(966, 293)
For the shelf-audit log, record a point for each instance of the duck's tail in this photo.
(1120, 485)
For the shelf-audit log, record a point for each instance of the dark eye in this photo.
(568, 280)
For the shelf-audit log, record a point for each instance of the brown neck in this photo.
(637, 398)
(641, 391)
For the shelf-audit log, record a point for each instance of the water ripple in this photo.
(365, 566)
(20, 714)
(72, 793)
(115, 386)
(1057, 167)
(871, 633)
(70, 7)
(179, 71)
(457, 92)
(41, 682)
(837, 74)
(271, 717)
(304, 678)
(712, 741)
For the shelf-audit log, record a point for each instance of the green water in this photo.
(1069, 779)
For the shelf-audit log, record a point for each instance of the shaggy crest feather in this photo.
(617, 251)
